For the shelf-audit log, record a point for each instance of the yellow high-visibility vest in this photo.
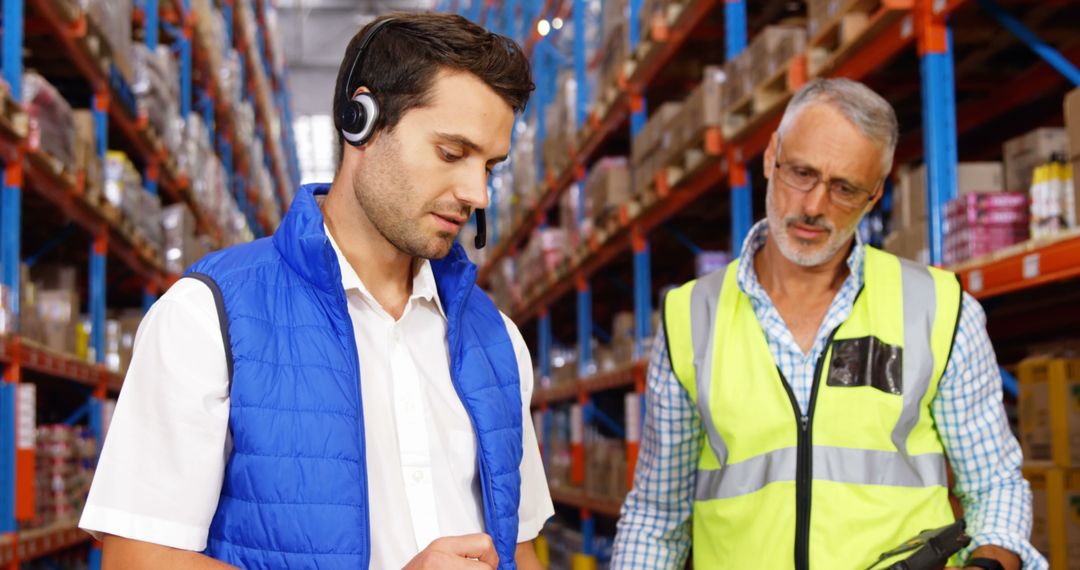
(858, 475)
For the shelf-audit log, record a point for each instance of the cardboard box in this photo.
(771, 48)
(1055, 530)
(652, 133)
(1049, 410)
(59, 313)
(1022, 154)
(910, 190)
(703, 108)
(607, 187)
(1072, 122)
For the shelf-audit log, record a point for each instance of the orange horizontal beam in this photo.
(1048, 263)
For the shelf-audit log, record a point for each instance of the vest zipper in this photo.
(804, 468)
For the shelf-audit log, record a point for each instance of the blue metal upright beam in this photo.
(939, 137)
(584, 327)
(580, 64)
(742, 206)
(150, 15)
(10, 224)
(642, 293)
(185, 62)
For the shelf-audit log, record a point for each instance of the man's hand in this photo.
(1007, 558)
(469, 552)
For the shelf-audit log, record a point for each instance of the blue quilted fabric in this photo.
(295, 489)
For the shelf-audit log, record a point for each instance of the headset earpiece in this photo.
(358, 119)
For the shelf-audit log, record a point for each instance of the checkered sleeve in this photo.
(654, 529)
(984, 454)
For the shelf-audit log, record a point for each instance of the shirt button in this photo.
(418, 475)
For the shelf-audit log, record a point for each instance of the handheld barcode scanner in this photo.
(358, 117)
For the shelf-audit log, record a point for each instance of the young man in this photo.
(342, 395)
(802, 402)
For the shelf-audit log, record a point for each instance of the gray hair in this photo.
(868, 111)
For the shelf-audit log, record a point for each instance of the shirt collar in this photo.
(748, 279)
(423, 279)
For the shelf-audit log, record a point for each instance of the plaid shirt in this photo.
(655, 528)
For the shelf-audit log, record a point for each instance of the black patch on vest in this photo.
(867, 361)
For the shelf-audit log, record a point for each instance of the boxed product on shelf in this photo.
(820, 13)
(772, 48)
(1055, 530)
(64, 468)
(607, 187)
(180, 246)
(561, 125)
(1072, 122)
(87, 159)
(58, 310)
(909, 193)
(738, 83)
(1054, 205)
(616, 52)
(157, 81)
(605, 467)
(51, 127)
(702, 109)
(113, 20)
(981, 223)
(7, 316)
(652, 147)
(1025, 152)
(1049, 409)
(575, 216)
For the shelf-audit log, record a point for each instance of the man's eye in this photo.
(449, 156)
(846, 190)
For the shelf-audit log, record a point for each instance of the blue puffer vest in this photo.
(295, 492)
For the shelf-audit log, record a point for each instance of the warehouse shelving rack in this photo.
(894, 27)
(29, 170)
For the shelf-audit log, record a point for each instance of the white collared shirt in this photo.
(161, 469)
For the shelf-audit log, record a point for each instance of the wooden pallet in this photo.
(52, 167)
(855, 22)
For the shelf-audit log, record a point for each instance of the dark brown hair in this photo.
(404, 57)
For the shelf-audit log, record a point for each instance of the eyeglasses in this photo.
(804, 179)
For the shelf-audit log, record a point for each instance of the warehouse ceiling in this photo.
(315, 33)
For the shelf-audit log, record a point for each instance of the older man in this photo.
(802, 401)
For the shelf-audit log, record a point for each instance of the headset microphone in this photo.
(481, 229)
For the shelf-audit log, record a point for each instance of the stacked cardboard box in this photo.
(157, 88)
(51, 127)
(651, 148)
(575, 217)
(607, 187)
(561, 126)
(182, 246)
(605, 467)
(772, 48)
(1024, 153)
(87, 159)
(1072, 126)
(1053, 199)
(64, 461)
(982, 223)
(909, 229)
(1049, 411)
(113, 20)
(703, 109)
(124, 189)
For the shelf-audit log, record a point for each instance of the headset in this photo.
(358, 117)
